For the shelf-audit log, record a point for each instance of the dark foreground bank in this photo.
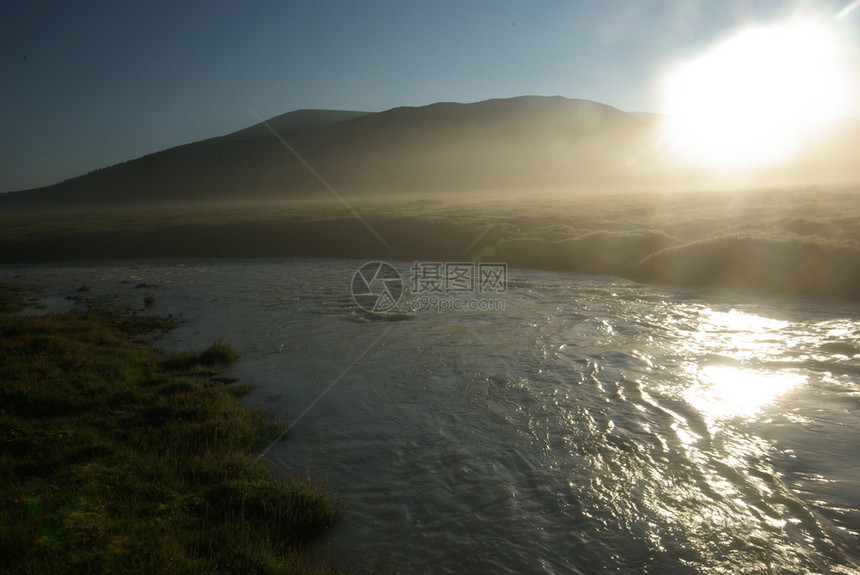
(117, 457)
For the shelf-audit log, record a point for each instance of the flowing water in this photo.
(592, 425)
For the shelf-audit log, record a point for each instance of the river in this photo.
(565, 424)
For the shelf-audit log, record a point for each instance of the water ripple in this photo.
(593, 425)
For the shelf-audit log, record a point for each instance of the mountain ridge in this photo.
(500, 144)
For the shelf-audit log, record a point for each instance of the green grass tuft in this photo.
(205, 362)
(219, 354)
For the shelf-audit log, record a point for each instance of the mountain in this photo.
(492, 145)
(495, 145)
(647, 116)
(221, 168)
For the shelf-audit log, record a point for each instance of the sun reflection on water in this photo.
(723, 392)
(730, 381)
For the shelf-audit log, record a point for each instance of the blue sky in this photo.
(90, 84)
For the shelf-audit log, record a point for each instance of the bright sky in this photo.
(86, 85)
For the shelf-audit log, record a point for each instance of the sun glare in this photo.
(725, 392)
(753, 99)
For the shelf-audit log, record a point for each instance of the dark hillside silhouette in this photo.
(493, 146)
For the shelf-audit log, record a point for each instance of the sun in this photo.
(753, 99)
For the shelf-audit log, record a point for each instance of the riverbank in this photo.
(803, 242)
(118, 457)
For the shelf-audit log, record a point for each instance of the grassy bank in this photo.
(10, 296)
(798, 241)
(116, 457)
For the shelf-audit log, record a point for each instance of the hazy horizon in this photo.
(89, 88)
(648, 116)
(492, 147)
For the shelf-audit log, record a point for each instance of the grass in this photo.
(117, 457)
(802, 241)
(10, 296)
(781, 265)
